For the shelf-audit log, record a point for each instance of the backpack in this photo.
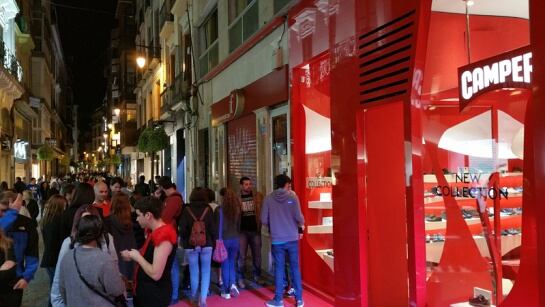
(198, 230)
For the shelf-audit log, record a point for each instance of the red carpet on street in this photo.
(257, 297)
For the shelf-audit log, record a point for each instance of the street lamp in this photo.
(141, 59)
(117, 111)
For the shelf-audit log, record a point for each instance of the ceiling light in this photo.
(469, 2)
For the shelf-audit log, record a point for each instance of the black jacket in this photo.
(186, 223)
(53, 235)
(143, 188)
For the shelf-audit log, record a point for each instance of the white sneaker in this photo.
(226, 296)
(234, 291)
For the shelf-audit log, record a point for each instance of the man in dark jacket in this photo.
(281, 213)
(142, 187)
(22, 230)
(19, 185)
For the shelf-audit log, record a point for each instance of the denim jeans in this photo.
(175, 275)
(253, 239)
(201, 270)
(279, 252)
(228, 272)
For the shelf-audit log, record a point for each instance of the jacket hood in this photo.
(281, 195)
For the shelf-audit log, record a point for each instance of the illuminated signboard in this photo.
(228, 108)
(512, 69)
(20, 150)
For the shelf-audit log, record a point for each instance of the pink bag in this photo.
(220, 252)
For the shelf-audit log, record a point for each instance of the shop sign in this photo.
(319, 182)
(512, 69)
(228, 109)
(20, 150)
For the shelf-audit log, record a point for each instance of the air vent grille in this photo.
(384, 59)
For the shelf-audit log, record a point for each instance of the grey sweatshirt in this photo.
(281, 212)
(98, 268)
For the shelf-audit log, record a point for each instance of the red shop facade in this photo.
(419, 150)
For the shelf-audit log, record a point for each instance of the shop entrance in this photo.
(280, 131)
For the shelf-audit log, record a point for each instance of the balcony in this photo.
(11, 73)
(166, 20)
(176, 93)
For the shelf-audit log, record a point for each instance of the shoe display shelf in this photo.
(327, 257)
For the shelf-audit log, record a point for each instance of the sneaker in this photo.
(226, 296)
(241, 284)
(274, 303)
(234, 291)
(300, 303)
(290, 292)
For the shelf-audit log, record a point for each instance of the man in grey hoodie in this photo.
(281, 213)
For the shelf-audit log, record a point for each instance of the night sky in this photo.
(84, 27)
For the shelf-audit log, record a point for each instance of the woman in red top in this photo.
(154, 260)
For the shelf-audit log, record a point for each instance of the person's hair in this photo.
(32, 178)
(68, 189)
(198, 194)
(89, 229)
(54, 207)
(84, 195)
(157, 177)
(121, 208)
(77, 216)
(231, 204)
(281, 180)
(165, 182)
(211, 195)
(244, 179)
(18, 178)
(5, 243)
(142, 178)
(7, 196)
(117, 180)
(27, 194)
(4, 186)
(150, 204)
(54, 185)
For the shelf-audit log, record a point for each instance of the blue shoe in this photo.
(274, 303)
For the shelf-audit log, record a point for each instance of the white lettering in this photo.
(516, 68)
(491, 74)
(478, 79)
(505, 70)
(527, 67)
(467, 91)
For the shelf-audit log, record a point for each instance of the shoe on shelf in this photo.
(290, 292)
(479, 301)
(274, 303)
(241, 284)
(300, 303)
(234, 291)
(226, 296)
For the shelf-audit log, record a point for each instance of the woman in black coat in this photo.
(52, 232)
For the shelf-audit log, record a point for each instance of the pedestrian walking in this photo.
(197, 230)
(228, 218)
(8, 274)
(282, 215)
(88, 276)
(52, 233)
(153, 285)
(250, 230)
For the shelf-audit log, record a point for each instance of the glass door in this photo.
(280, 131)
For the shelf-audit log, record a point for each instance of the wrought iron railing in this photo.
(10, 63)
(164, 14)
(176, 92)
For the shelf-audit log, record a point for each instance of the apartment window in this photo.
(280, 4)
(243, 18)
(208, 44)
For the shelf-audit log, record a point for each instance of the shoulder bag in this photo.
(220, 252)
(119, 301)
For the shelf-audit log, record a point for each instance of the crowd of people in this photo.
(106, 242)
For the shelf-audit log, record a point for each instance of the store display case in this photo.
(312, 172)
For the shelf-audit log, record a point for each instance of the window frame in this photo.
(236, 20)
(206, 48)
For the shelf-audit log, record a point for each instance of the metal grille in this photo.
(384, 59)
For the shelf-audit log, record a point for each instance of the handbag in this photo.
(119, 301)
(220, 252)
